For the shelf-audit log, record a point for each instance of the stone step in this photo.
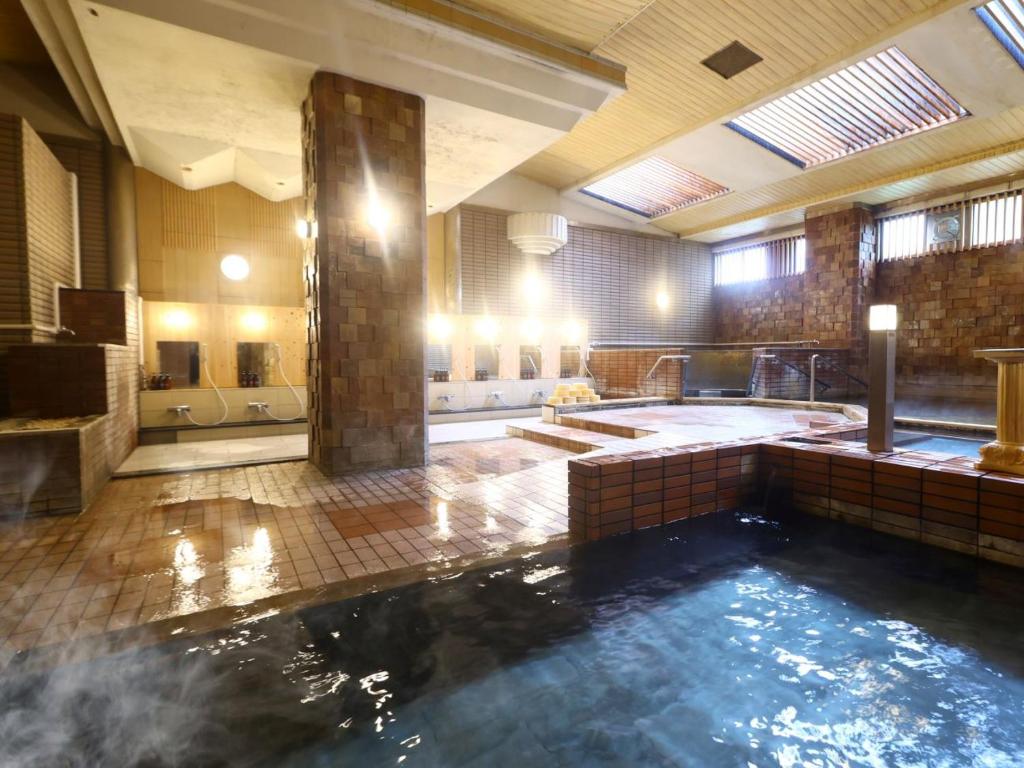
(567, 438)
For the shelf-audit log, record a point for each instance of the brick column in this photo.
(365, 289)
(839, 282)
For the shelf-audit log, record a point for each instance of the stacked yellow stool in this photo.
(573, 394)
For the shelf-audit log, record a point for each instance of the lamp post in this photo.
(881, 376)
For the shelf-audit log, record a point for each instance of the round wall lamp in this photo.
(234, 267)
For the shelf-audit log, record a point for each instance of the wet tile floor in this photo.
(153, 548)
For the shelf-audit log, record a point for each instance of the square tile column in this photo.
(365, 271)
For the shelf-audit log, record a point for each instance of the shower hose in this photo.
(298, 400)
(223, 402)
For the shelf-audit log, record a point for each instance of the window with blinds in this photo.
(977, 223)
(761, 261)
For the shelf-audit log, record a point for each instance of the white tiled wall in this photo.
(475, 394)
(206, 408)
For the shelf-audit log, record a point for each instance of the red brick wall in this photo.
(623, 372)
(828, 302)
(770, 310)
(951, 304)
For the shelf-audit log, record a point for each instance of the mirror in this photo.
(180, 361)
(569, 362)
(529, 361)
(485, 362)
(257, 364)
(439, 362)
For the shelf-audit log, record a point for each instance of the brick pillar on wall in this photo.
(365, 291)
(839, 282)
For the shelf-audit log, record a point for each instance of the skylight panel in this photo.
(880, 99)
(653, 187)
(1005, 19)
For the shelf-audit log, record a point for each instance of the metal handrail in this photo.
(650, 373)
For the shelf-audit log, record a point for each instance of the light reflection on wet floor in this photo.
(720, 641)
(153, 548)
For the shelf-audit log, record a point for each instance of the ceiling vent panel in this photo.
(731, 60)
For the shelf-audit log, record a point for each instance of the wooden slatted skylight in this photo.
(877, 100)
(653, 187)
(1005, 19)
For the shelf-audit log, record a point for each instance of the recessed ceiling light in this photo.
(653, 187)
(1005, 20)
(877, 100)
(731, 60)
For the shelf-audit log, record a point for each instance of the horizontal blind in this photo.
(608, 278)
(976, 223)
(761, 261)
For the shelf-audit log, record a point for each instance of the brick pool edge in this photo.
(934, 499)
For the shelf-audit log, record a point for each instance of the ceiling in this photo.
(203, 92)
(19, 43)
(675, 107)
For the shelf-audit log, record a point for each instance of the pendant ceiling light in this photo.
(538, 234)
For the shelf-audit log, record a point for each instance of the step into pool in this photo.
(728, 640)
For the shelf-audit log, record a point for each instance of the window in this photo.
(653, 187)
(984, 221)
(880, 99)
(761, 261)
(1005, 20)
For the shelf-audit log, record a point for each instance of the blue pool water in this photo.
(938, 443)
(723, 641)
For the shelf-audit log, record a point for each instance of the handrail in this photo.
(845, 372)
(650, 373)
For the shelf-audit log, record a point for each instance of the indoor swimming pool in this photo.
(725, 641)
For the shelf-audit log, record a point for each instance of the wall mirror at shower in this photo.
(485, 362)
(529, 361)
(569, 362)
(257, 364)
(179, 361)
(439, 362)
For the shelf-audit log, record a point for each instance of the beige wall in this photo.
(184, 234)
(221, 326)
(435, 263)
(465, 332)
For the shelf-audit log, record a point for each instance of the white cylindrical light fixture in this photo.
(538, 234)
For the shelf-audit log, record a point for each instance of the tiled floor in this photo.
(210, 454)
(674, 425)
(166, 546)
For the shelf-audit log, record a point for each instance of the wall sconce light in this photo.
(439, 329)
(304, 228)
(234, 267)
(661, 300)
(377, 214)
(177, 318)
(487, 328)
(254, 321)
(881, 376)
(572, 333)
(532, 330)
